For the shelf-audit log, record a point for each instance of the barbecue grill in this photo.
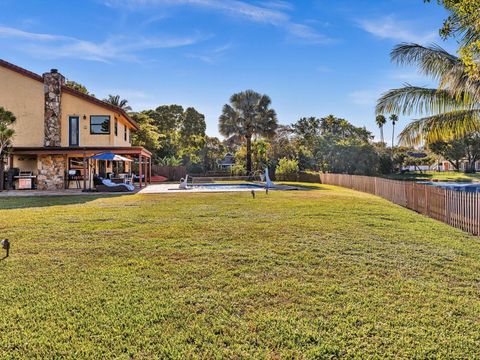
(25, 180)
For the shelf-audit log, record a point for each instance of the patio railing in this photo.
(456, 208)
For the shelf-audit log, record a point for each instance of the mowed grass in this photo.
(327, 273)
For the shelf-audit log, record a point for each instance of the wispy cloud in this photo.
(324, 69)
(390, 28)
(213, 55)
(364, 97)
(408, 77)
(273, 13)
(17, 33)
(115, 47)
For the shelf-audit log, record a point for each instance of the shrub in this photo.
(287, 169)
(238, 170)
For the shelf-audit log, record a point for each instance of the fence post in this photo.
(427, 211)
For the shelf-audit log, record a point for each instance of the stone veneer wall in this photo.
(52, 85)
(51, 172)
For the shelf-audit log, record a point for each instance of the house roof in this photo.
(121, 150)
(70, 91)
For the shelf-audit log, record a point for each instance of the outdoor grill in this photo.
(25, 180)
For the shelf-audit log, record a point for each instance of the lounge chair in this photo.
(106, 185)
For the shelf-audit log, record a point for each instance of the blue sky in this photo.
(313, 58)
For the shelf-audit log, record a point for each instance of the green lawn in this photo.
(303, 274)
(435, 175)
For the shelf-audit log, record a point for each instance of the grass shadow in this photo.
(303, 185)
(23, 202)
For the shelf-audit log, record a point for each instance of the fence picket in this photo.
(456, 208)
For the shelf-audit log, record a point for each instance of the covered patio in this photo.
(64, 168)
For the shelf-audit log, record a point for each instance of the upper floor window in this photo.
(125, 133)
(116, 127)
(100, 124)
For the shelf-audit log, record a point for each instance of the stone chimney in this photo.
(52, 88)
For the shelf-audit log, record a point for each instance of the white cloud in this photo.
(116, 47)
(364, 97)
(277, 4)
(271, 12)
(17, 33)
(212, 56)
(324, 69)
(409, 77)
(390, 28)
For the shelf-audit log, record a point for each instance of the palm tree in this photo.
(248, 114)
(381, 121)
(393, 119)
(6, 134)
(117, 101)
(451, 110)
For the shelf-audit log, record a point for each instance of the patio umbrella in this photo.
(109, 157)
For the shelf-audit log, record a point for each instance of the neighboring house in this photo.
(58, 129)
(445, 165)
(227, 162)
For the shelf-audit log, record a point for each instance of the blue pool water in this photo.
(227, 186)
(457, 186)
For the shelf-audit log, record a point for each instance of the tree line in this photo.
(447, 123)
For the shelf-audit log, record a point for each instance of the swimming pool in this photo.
(457, 186)
(225, 187)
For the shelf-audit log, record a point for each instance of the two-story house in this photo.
(58, 129)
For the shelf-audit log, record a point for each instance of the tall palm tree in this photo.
(451, 110)
(248, 114)
(393, 119)
(381, 121)
(6, 135)
(117, 101)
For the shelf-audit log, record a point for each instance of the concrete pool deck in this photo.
(173, 188)
(150, 189)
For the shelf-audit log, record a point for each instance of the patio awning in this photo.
(108, 156)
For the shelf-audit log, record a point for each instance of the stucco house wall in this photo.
(24, 97)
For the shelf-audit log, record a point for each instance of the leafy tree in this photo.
(307, 129)
(345, 148)
(472, 143)
(193, 124)
(77, 86)
(453, 151)
(213, 151)
(248, 114)
(182, 132)
(381, 121)
(147, 135)
(342, 129)
(6, 135)
(353, 156)
(283, 144)
(260, 155)
(287, 169)
(452, 110)
(168, 117)
(170, 161)
(118, 102)
(463, 23)
(260, 151)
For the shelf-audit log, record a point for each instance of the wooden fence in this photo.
(456, 208)
(170, 172)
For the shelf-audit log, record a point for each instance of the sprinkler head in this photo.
(6, 246)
